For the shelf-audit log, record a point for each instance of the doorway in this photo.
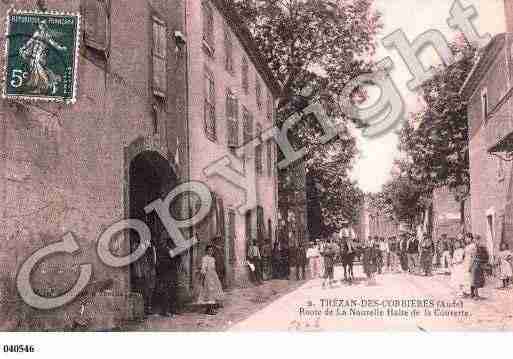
(150, 178)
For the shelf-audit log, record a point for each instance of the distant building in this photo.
(449, 215)
(374, 222)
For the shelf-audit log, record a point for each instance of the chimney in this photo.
(508, 12)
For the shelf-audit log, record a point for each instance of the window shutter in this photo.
(159, 58)
(232, 120)
(96, 19)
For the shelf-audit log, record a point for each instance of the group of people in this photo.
(322, 255)
(465, 259)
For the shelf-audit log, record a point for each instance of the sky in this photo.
(414, 17)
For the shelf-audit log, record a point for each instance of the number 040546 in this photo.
(18, 348)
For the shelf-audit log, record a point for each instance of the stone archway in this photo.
(149, 177)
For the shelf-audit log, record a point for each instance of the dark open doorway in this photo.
(151, 178)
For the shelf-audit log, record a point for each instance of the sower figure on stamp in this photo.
(42, 80)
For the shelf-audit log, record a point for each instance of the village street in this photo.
(493, 312)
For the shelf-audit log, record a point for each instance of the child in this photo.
(446, 258)
(458, 274)
(506, 271)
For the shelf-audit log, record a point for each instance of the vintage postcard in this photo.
(241, 166)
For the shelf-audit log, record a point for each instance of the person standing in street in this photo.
(403, 251)
(167, 277)
(312, 255)
(505, 269)
(477, 269)
(413, 253)
(393, 247)
(300, 261)
(211, 292)
(426, 254)
(446, 259)
(458, 270)
(369, 260)
(255, 259)
(329, 252)
(385, 253)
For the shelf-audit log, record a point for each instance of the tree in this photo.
(435, 142)
(321, 45)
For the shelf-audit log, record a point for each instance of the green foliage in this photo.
(322, 45)
(436, 141)
(433, 143)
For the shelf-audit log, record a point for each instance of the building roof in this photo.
(248, 43)
(486, 56)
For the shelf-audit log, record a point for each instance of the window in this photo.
(258, 94)
(258, 152)
(231, 234)
(244, 74)
(208, 27)
(484, 103)
(248, 126)
(228, 49)
(248, 229)
(269, 158)
(210, 106)
(159, 58)
(500, 169)
(96, 15)
(232, 119)
(270, 107)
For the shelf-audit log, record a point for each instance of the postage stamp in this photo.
(41, 56)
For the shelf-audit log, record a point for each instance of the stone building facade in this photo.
(231, 102)
(80, 168)
(373, 222)
(490, 113)
(165, 88)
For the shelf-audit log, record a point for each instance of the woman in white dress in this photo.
(458, 270)
(313, 255)
(504, 258)
(211, 292)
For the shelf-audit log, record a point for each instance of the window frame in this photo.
(245, 74)
(232, 119)
(208, 24)
(209, 100)
(259, 152)
(90, 42)
(229, 63)
(159, 53)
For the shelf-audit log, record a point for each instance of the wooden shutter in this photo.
(159, 57)
(96, 15)
(231, 234)
(232, 122)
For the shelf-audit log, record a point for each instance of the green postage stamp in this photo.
(41, 56)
